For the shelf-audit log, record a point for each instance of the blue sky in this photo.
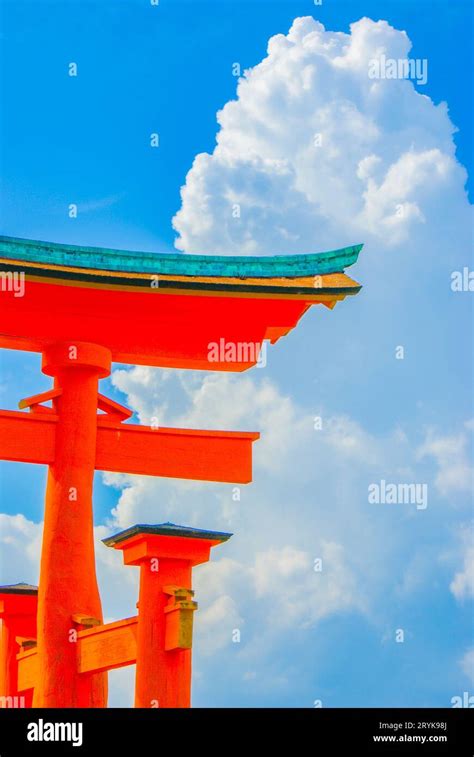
(85, 140)
(166, 69)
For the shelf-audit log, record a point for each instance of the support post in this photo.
(68, 584)
(18, 606)
(166, 554)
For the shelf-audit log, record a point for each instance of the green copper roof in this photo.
(178, 264)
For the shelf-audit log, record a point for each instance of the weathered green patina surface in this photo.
(52, 253)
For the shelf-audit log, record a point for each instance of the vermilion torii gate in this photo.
(83, 308)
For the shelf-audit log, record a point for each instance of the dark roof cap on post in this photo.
(165, 529)
(20, 588)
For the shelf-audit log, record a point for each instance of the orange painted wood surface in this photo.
(27, 669)
(175, 453)
(128, 448)
(109, 646)
(27, 437)
(142, 547)
(163, 678)
(163, 672)
(68, 583)
(169, 330)
(104, 647)
(17, 620)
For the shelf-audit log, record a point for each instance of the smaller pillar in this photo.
(166, 554)
(18, 607)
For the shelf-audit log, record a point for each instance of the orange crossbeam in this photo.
(112, 645)
(27, 669)
(104, 647)
(175, 453)
(224, 456)
(27, 437)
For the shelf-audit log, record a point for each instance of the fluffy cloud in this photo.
(292, 589)
(221, 586)
(348, 459)
(20, 541)
(453, 455)
(462, 585)
(263, 582)
(317, 154)
(289, 442)
(304, 589)
(467, 664)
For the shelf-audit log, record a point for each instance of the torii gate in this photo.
(83, 308)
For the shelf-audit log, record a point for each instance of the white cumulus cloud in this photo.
(462, 585)
(467, 664)
(314, 154)
(453, 456)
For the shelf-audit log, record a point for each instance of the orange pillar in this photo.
(18, 606)
(166, 554)
(68, 584)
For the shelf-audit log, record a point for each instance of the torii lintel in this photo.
(221, 456)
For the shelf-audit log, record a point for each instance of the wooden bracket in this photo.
(34, 403)
(179, 618)
(85, 620)
(25, 642)
(113, 409)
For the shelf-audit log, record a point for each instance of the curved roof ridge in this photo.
(242, 266)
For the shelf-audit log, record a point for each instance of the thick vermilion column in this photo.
(18, 606)
(163, 678)
(68, 584)
(166, 554)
